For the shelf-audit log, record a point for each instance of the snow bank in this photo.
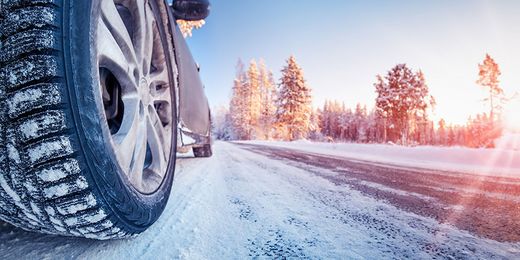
(498, 162)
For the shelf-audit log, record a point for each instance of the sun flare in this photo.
(512, 116)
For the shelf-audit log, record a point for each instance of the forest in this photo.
(262, 108)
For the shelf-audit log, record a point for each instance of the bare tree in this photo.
(488, 78)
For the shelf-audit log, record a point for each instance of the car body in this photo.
(194, 117)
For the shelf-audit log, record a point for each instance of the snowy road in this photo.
(251, 200)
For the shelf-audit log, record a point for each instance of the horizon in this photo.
(342, 52)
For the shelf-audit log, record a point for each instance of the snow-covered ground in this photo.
(241, 204)
(502, 161)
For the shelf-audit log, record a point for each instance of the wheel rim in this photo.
(136, 91)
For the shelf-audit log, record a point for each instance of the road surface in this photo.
(260, 201)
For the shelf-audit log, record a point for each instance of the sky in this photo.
(342, 45)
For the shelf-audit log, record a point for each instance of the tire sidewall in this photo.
(131, 208)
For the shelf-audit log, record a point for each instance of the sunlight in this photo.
(512, 116)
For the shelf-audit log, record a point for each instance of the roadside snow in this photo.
(509, 141)
(496, 162)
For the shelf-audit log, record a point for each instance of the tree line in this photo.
(263, 109)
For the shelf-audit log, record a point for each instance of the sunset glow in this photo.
(351, 43)
(512, 116)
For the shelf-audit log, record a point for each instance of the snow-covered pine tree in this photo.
(335, 119)
(481, 132)
(422, 132)
(441, 133)
(253, 100)
(314, 129)
(372, 127)
(431, 135)
(294, 102)
(325, 119)
(344, 122)
(222, 123)
(268, 99)
(343, 119)
(402, 95)
(476, 130)
(238, 107)
(360, 125)
(234, 111)
(451, 136)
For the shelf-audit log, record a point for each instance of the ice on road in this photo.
(242, 204)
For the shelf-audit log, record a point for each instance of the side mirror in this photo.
(191, 10)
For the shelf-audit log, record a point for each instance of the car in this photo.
(96, 99)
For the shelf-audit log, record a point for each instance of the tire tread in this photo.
(42, 187)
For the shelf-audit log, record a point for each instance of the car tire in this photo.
(204, 151)
(69, 111)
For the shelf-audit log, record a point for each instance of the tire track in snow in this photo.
(486, 206)
(412, 231)
(250, 190)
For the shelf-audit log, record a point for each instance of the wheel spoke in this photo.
(144, 37)
(158, 138)
(130, 131)
(149, 43)
(113, 57)
(111, 20)
(139, 156)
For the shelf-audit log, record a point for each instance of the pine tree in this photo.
(359, 123)
(253, 100)
(451, 136)
(324, 119)
(222, 123)
(441, 132)
(314, 129)
(422, 129)
(345, 122)
(252, 107)
(268, 99)
(294, 102)
(372, 130)
(402, 95)
(239, 104)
